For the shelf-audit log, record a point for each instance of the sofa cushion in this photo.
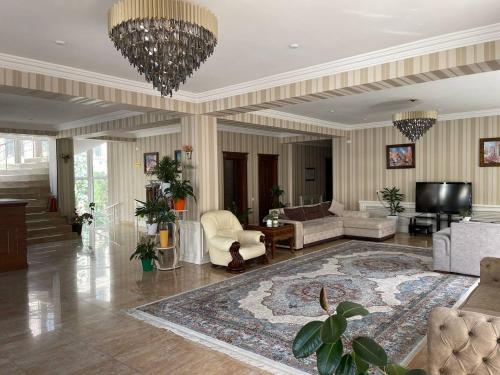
(313, 212)
(325, 206)
(321, 229)
(336, 208)
(296, 214)
(370, 223)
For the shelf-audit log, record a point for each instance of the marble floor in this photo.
(64, 315)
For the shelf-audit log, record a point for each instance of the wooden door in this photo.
(235, 180)
(268, 177)
(328, 180)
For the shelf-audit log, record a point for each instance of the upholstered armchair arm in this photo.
(221, 243)
(249, 236)
(490, 271)
(299, 232)
(361, 214)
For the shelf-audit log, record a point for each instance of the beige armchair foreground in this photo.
(228, 244)
(467, 341)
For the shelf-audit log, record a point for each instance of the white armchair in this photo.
(228, 244)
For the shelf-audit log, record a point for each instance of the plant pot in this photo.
(189, 155)
(394, 218)
(163, 238)
(180, 204)
(152, 228)
(147, 265)
(77, 228)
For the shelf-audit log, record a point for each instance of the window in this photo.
(91, 182)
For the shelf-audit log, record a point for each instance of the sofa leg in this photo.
(237, 265)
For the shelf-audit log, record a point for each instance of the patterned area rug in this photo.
(254, 317)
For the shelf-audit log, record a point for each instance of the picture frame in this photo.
(150, 161)
(310, 174)
(178, 155)
(400, 156)
(489, 152)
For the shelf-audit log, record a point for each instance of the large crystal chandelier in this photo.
(166, 40)
(414, 124)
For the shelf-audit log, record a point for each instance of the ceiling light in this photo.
(165, 40)
(332, 110)
(294, 45)
(60, 42)
(414, 124)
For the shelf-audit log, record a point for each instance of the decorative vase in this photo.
(189, 155)
(180, 204)
(147, 265)
(275, 222)
(77, 228)
(269, 223)
(394, 218)
(163, 238)
(152, 228)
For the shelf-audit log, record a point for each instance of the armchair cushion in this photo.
(249, 236)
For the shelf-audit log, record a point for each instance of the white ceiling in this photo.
(454, 95)
(254, 34)
(51, 114)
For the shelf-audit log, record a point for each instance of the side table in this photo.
(282, 232)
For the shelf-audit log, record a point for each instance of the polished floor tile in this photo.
(66, 313)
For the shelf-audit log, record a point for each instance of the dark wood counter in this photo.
(13, 252)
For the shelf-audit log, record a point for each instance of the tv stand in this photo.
(415, 227)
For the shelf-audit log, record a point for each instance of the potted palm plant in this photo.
(146, 253)
(180, 190)
(276, 193)
(149, 210)
(85, 218)
(393, 198)
(167, 170)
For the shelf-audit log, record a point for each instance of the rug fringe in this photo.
(242, 355)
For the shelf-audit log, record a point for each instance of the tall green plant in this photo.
(181, 189)
(276, 193)
(393, 197)
(150, 210)
(325, 339)
(167, 170)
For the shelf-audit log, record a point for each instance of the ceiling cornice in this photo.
(424, 46)
(297, 118)
(421, 47)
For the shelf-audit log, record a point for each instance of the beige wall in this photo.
(65, 178)
(253, 145)
(127, 180)
(305, 156)
(448, 152)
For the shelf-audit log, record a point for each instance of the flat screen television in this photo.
(443, 197)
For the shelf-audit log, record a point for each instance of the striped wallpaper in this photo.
(305, 156)
(65, 177)
(448, 152)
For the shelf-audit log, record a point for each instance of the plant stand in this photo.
(170, 256)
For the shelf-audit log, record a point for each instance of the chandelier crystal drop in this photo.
(165, 40)
(414, 124)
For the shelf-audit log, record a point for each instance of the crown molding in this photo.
(66, 72)
(421, 47)
(252, 131)
(430, 45)
(118, 115)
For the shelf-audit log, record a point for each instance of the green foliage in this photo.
(325, 339)
(86, 217)
(151, 210)
(180, 189)
(166, 217)
(167, 170)
(394, 198)
(145, 251)
(241, 216)
(276, 193)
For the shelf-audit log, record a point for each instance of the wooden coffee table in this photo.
(274, 234)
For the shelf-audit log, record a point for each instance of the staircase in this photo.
(30, 181)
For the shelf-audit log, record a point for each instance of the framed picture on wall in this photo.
(489, 152)
(400, 156)
(178, 155)
(150, 161)
(310, 174)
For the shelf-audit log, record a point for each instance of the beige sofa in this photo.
(352, 224)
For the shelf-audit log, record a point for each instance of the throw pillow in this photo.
(313, 212)
(336, 208)
(295, 214)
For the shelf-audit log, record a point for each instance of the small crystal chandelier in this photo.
(166, 40)
(414, 124)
